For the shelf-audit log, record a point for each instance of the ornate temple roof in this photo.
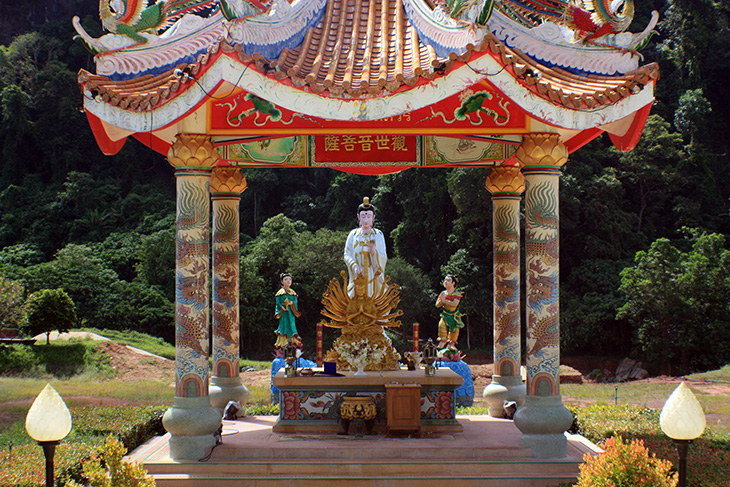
(372, 51)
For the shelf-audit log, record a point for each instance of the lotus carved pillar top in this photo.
(193, 151)
(227, 181)
(505, 180)
(543, 150)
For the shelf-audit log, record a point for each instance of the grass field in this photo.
(712, 390)
(84, 382)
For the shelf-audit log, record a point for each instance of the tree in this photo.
(12, 297)
(155, 257)
(649, 174)
(80, 273)
(472, 262)
(48, 310)
(679, 302)
(416, 300)
(416, 213)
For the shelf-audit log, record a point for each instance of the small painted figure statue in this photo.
(365, 253)
(286, 311)
(451, 318)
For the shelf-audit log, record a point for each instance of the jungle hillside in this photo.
(645, 265)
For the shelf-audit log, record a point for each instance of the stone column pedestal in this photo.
(192, 423)
(543, 421)
(504, 388)
(225, 389)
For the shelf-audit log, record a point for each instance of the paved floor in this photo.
(483, 438)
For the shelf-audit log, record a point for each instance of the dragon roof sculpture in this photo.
(569, 63)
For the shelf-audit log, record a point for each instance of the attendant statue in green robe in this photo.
(451, 318)
(286, 311)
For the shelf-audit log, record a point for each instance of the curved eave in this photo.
(227, 68)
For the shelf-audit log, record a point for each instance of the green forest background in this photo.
(645, 270)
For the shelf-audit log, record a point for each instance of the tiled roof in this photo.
(365, 49)
(146, 92)
(359, 48)
(569, 89)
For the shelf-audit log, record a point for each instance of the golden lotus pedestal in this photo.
(313, 404)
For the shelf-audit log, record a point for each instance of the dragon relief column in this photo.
(543, 419)
(226, 186)
(506, 183)
(191, 421)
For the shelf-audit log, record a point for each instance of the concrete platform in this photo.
(486, 453)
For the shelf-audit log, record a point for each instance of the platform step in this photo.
(404, 480)
(488, 453)
(368, 469)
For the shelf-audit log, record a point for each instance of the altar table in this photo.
(311, 404)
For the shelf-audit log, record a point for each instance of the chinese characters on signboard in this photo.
(365, 143)
(360, 149)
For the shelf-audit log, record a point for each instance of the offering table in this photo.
(311, 404)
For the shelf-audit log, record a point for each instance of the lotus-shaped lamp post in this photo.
(683, 420)
(48, 422)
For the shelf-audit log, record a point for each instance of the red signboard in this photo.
(349, 149)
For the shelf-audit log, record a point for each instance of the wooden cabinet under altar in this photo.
(403, 408)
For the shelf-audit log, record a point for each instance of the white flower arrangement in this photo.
(359, 353)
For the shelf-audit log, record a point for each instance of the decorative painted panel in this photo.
(225, 287)
(191, 286)
(478, 110)
(367, 150)
(543, 311)
(506, 214)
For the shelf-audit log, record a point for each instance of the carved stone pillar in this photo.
(506, 183)
(543, 419)
(191, 420)
(226, 186)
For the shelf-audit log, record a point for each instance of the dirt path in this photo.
(83, 335)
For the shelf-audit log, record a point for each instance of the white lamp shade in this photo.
(48, 418)
(682, 417)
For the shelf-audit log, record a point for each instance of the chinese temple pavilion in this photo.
(368, 86)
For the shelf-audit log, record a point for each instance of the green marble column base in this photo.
(543, 421)
(504, 388)
(225, 389)
(192, 423)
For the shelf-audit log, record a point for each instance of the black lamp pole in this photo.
(682, 447)
(49, 448)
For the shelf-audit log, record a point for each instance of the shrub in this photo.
(17, 359)
(261, 409)
(106, 468)
(625, 464)
(600, 422)
(708, 459)
(132, 426)
(60, 359)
